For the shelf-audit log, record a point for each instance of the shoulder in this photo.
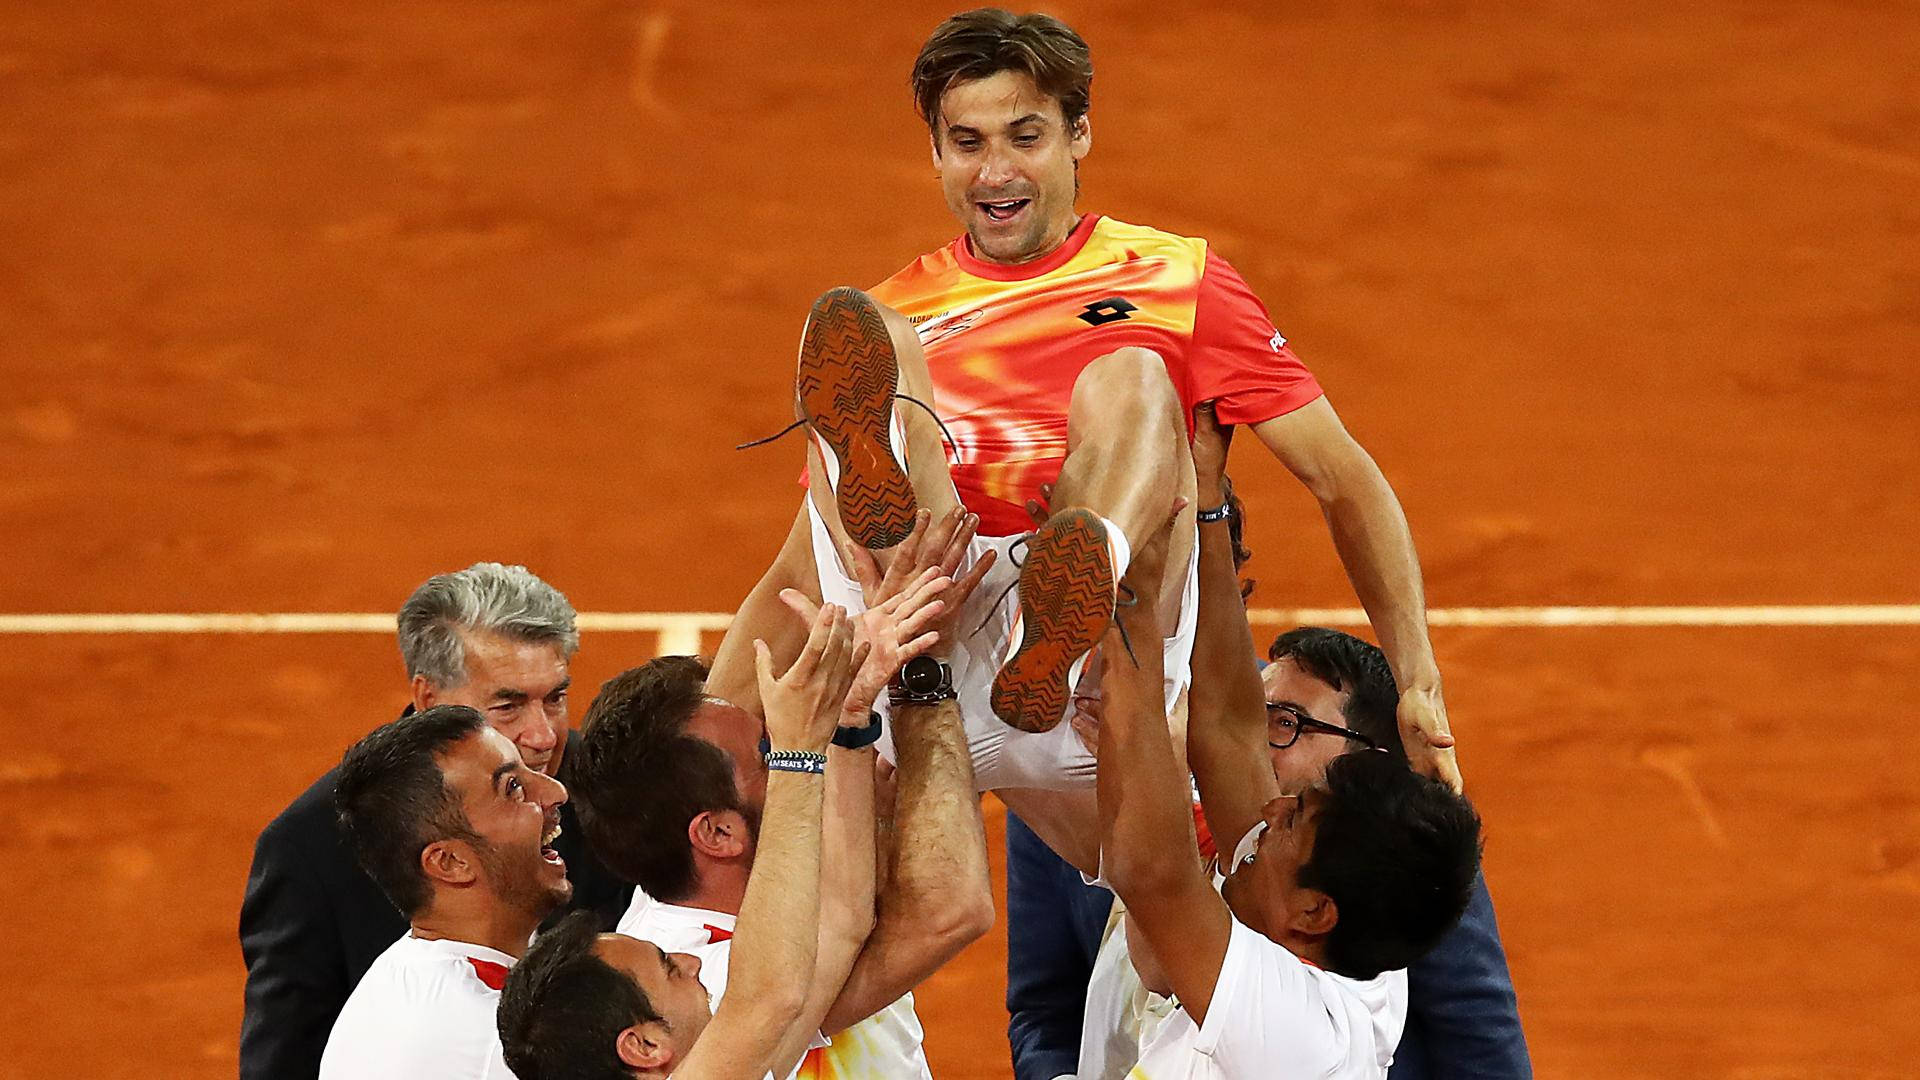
(1148, 242)
(418, 1011)
(308, 818)
(923, 274)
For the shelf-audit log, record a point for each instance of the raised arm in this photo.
(1147, 847)
(1227, 730)
(1370, 533)
(775, 936)
(846, 891)
(937, 898)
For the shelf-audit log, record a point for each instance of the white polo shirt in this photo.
(1274, 1017)
(423, 1011)
(884, 1046)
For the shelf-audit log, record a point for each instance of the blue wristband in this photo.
(800, 761)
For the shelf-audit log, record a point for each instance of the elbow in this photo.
(1143, 872)
(779, 1004)
(965, 920)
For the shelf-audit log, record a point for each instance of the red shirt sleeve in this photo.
(1238, 360)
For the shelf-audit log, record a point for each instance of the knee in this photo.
(1133, 382)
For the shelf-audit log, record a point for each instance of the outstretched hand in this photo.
(1424, 732)
(803, 704)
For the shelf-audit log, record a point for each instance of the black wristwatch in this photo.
(858, 738)
(921, 681)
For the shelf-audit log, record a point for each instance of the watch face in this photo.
(922, 675)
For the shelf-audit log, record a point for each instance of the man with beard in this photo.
(493, 637)
(447, 818)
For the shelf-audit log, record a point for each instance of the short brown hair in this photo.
(986, 41)
(640, 778)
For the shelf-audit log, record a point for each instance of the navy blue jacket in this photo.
(1463, 1022)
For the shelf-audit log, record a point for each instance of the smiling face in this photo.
(515, 813)
(1007, 160)
(520, 687)
(671, 982)
(1264, 890)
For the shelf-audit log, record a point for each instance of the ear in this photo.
(1318, 915)
(644, 1046)
(718, 834)
(450, 861)
(1082, 136)
(424, 697)
(933, 144)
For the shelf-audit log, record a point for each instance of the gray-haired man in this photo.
(492, 637)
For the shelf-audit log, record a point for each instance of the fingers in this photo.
(963, 586)
(800, 604)
(918, 646)
(866, 570)
(763, 666)
(830, 618)
(961, 543)
(921, 618)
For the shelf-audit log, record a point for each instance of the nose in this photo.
(551, 792)
(688, 961)
(996, 168)
(538, 735)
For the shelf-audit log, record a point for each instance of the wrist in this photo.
(804, 762)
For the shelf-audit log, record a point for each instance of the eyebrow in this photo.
(502, 770)
(666, 965)
(1029, 118)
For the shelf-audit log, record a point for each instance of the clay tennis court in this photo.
(304, 302)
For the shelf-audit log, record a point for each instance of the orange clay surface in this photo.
(303, 302)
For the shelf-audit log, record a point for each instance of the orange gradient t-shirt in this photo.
(1006, 343)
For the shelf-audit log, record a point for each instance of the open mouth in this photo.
(546, 845)
(1004, 209)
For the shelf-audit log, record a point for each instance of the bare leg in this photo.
(1127, 460)
(762, 615)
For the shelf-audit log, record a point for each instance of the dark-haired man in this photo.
(1070, 349)
(671, 787)
(1293, 967)
(447, 818)
(1045, 329)
(493, 637)
(590, 1006)
(1330, 693)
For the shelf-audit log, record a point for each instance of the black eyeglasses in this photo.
(1295, 720)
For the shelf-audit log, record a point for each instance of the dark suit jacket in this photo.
(1463, 1022)
(312, 922)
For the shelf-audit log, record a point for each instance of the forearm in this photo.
(1145, 806)
(1370, 532)
(774, 937)
(938, 896)
(847, 879)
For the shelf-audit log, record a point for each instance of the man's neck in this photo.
(494, 926)
(718, 887)
(1072, 225)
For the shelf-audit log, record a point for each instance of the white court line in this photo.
(680, 630)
